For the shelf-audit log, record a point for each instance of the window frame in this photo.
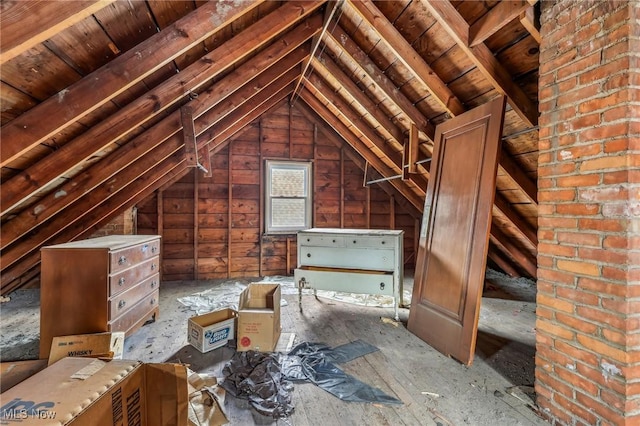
(307, 166)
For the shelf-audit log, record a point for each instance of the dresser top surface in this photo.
(110, 242)
(343, 231)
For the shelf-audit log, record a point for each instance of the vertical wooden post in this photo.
(290, 138)
(315, 171)
(368, 207)
(288, 256)
(196, 227)
(160, 213)
(230, 215)
(341, 187)
(392, 212)
(416, 238)
(262, 189)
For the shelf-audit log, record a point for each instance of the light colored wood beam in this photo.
(25, 23)
(529, 22)
(494, 20)
(455, 25)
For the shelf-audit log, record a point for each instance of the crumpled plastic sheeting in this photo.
(265, 379)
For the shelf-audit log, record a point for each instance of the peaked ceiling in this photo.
(92, 95)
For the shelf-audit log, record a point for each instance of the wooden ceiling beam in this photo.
(523, 259)
(128, 118)
(513, 170)
(358, 160)
(375, 161)
(108, 81)
(505, 264)
(82, 213)
(340, 39)
(456, 26)
(325, 65)
(27, 23)
(531, 24)
(514, 217)
(408, 55)
(494, 20)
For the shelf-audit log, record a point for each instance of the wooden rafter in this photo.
(415, 199)
(339, 38)
(85, 210)
(408, 56)
(505, 243)
(102, 85)
(529, 22)
(514, 217)
(456, 26)
(503, 13)
(26, 23)
(265, 61)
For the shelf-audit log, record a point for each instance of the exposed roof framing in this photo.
(91, 100)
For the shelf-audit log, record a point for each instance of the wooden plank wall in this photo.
(224, 211)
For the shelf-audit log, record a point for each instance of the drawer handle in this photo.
(154, 249)
(354, 241)
(383, 242)
(122, 260)
(381, 286)
(153, 301)
(121, 304)
(153, 266)
(153, 284)
(308, 254)
(121, 281)
(334, 241)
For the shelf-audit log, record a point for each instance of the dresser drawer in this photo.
(362, 241)
(127, 257)
(138, 312)
(353, 258)
(128, 278)
(321, 240)
(349, 282)
(125, 300)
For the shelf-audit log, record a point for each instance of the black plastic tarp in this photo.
(266, 379)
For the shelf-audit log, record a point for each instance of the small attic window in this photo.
(288, 200)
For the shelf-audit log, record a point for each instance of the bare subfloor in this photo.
(434, 389)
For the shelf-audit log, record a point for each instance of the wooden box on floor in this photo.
(101, 284)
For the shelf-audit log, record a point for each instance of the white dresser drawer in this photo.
(352, 258)
(321, 240)
(348, 282)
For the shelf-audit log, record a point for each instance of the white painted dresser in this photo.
(368, 261)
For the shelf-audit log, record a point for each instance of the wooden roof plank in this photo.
(102, 85)
(503, 13)
(27, 23)
(524, 260)
(458, 29)
(341, 38)
(135, 113)
(406, 53)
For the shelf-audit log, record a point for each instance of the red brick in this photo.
(616, 145)
(606, 70)
(574, 352)
(544, 326)
(605, 131)
(600, 316)
(595, 374)
(618, 112)
(617, 274)
(577, 209)
(556, 169)
(602, 255)
(578, 267)
(576, 410)
(545, 261)
(558, 223)
(543, 312)
(555, 304)
(591, 105)
(615, 177)
(557, 195)
(608, 162)
(578, 181)
(546, 210)
(624, 307)
(556, 276)
(555, 384)
(576, 323)
(603, 287)
(614, 241)
(604, 225)
(556, 250)
(616, 337)
(619, 81)
(589, 150)
(614, 19)
(577, 381)
(546, 235)
(614, 399)
(575, 96)
(568, 139)
(580, 238)
(578, 296)
(615, 50)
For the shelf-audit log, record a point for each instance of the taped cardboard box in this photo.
(259, 317)
(98, 345)
(212, 330)
(88, 391)
(12, 373)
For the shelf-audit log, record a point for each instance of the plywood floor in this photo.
(435, 390)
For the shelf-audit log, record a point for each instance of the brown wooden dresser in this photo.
(100, 284)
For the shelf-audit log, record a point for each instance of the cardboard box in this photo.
(98, 345)
(12, 373)
(259, 317)
(212, 330)
(89, 391)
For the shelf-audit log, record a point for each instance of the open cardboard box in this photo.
(98, 345)
(88, 391)
(259, 317)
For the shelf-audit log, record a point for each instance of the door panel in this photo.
(455, 229)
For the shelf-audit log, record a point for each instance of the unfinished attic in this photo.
(458, 180)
